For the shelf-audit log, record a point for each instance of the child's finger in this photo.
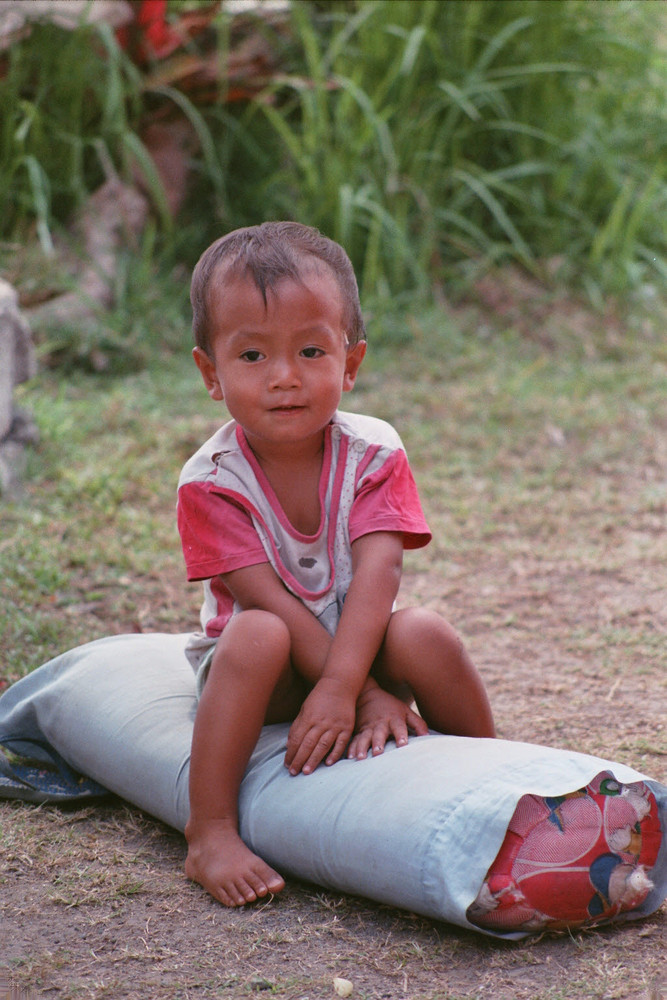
(294, 741)
(360, 745)
(338, 748)
(379, 737)
(311, 751)
(302, 740)
(416, 723)
(399, 730)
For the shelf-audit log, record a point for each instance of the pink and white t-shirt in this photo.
(229, 517)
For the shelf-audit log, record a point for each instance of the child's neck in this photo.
(294, 475)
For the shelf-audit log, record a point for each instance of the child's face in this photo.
(281, 368)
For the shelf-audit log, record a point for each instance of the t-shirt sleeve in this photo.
(387, 500)
(217, 534)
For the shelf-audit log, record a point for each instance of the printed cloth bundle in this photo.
(572, 860)
(505, 838)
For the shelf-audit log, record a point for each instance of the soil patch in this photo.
(551, 560)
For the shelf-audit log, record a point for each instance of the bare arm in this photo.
(337, 668)
(377, 562)
(325, 724)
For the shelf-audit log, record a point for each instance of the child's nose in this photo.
(285, 373)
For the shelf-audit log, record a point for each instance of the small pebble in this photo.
(343, 987)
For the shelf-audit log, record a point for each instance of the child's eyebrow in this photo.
(316, 329)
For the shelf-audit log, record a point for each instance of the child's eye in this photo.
(312, 352)
(252, 355)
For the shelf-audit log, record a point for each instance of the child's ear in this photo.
(208, 373)
(355, 355)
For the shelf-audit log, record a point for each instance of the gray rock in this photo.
(17, 364)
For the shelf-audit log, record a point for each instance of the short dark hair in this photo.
(269, 253)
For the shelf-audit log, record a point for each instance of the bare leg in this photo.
(249, 673)
(423, 656)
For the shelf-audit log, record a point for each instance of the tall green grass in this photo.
(437, 138)
(433, 138)
(69, 104)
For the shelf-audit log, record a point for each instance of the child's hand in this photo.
(379, 716)
(322, 728)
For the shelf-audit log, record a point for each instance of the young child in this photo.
(295, 515)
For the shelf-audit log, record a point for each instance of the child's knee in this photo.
(256, 638)
(421, 627)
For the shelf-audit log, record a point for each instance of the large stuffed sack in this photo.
(456, 829)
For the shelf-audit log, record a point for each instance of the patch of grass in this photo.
(542, 469)
(101, 513)
(514, 445)
(69, 101)
(433, 139)
(473, 134)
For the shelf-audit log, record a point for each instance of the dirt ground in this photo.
(566, 619)
(95, 904)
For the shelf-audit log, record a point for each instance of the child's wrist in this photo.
(343, 685)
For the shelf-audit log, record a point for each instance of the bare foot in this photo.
(220, 862)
